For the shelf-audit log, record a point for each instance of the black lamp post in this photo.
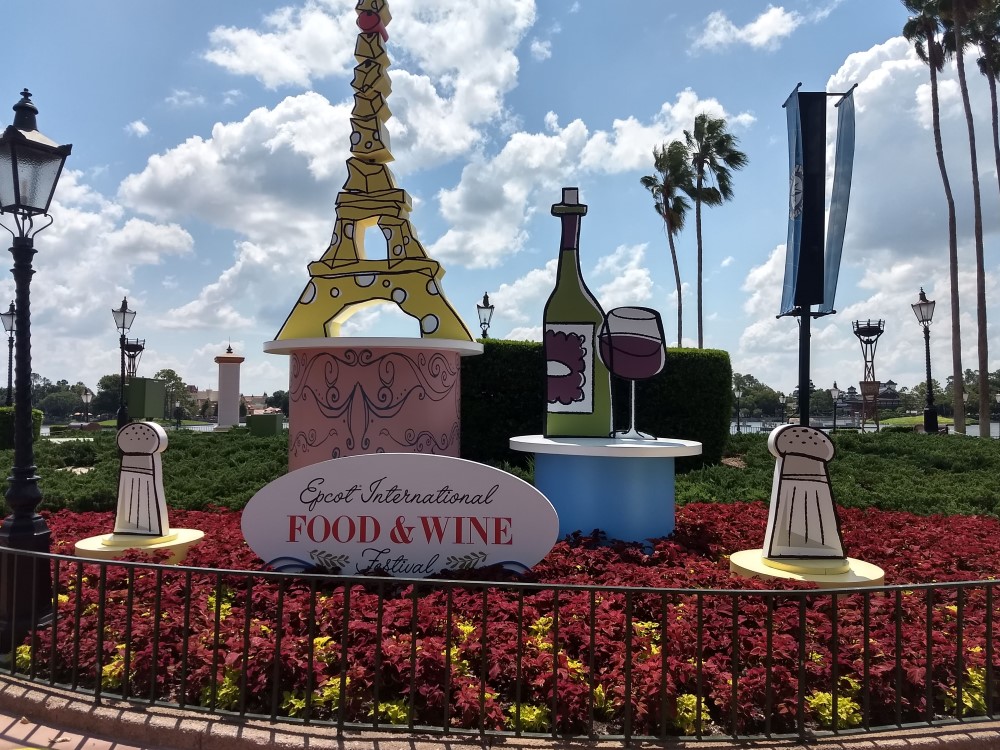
(923, 308)
(86, 396)
(781, 400)
(123, 321)
(30, 166)
(737, 393)
(9, 327)
(485, 311)
(835, 395)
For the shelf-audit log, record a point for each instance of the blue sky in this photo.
(209, 142)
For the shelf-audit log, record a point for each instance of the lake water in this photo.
(755, 426)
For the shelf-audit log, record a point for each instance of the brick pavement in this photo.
(68, 722)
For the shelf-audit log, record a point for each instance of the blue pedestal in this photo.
(625, 488)
(627, 498)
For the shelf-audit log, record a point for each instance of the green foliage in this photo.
(532, 718)
(686, 718)
(895, 428)
(926, 474)
(200, 470)
(973, 693)
(691, 399)
(503, 396)
(947, 474)
(393, 712)
(59, 406)
(7, 426)
(848, 710)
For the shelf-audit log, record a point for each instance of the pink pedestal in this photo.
(350, 397)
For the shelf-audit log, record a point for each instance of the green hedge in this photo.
(7, 425)
(503, 396)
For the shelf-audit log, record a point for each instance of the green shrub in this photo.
(7, 425)
(502, 397)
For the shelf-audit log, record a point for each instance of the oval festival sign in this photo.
(406, 514)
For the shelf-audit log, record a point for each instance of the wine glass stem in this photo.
(632, 425)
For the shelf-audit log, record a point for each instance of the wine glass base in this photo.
(632, 434)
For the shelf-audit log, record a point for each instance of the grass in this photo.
(915, 420)
(926, 474)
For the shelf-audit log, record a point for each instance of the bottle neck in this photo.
(570, 239)
(569, 249)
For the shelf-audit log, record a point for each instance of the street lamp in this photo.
(737, 393)
(86, 396)
(835, 395)
(30, 166)
(923, 308)
(485, 311)
(9, 327)
(123, 321)
(781, 400)
(177, 414)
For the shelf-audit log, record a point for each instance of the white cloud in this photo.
(489, 208)
(525, 333)
(727, 261)
(766, 31)
(250, 176)
(521, 301)
(137, 128)
(300, 44)
(541, 50)
(630, 282)
(182, 98)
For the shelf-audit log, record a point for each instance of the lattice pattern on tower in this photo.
(868, 332)
(344, 280)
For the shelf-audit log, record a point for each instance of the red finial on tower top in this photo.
(370, 22)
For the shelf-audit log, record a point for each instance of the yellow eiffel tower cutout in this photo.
(344, 280)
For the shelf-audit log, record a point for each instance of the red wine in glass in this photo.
(632, 346)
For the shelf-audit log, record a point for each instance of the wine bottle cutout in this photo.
(578, 387)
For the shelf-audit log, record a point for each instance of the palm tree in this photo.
(713, 155)
(672, 180)
(956, 14)
(924, 30)
(984, 32)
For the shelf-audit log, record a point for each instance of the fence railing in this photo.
(515, 659)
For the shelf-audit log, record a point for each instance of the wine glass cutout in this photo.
(632, 346)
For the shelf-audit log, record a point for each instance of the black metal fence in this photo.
(516, 659)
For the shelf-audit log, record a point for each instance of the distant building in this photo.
(888, 398)
(258, 405)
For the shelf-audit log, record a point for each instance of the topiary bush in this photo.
(7, 425)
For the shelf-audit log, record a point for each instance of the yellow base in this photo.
(113, 546)
(824, 573)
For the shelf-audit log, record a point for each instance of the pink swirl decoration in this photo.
(374, 401)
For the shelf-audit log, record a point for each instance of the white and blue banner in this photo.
(842, 172)
(793, 244)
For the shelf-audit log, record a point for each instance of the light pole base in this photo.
(25, 581)
(930, 420)
(123, 417)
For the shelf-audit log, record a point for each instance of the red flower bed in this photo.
(597, 660)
